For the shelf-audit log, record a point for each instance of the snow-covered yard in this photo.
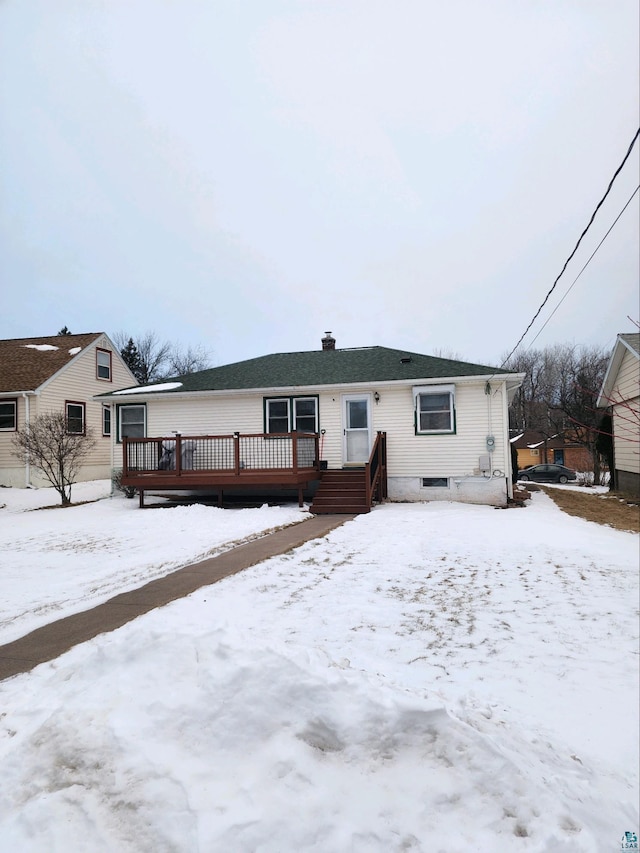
(430, 677)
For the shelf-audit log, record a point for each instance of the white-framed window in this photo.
(305, 414)
(277, 415)
(75, 414)
(103, 364)
(106, 420)
(435, 482)
(286, 414)
(132, 421)
(434, 409)
(8, 415)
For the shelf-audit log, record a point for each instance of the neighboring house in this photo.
(621, 392)
(58, 373)
(534, 448)
(446, 422)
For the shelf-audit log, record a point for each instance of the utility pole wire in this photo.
(569, 289)
(566, 263)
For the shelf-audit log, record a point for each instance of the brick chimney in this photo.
(328, 342)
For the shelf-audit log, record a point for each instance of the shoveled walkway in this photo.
(52, 640)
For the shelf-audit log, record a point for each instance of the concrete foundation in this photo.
(473, 490)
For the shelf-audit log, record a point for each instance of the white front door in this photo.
(356, 416)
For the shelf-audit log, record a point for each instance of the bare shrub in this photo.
(47, 445)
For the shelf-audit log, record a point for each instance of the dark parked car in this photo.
(547, 474)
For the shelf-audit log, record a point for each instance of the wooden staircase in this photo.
(341, 491)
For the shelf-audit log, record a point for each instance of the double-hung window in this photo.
(75, 415)
(277, 415)
(434, 409)
(8, 415)
(289, 414)
(132, 421)
(305, 414)
(103, 364)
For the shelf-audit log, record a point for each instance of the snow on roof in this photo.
(40, 347)
(74, 350)
(162, 386)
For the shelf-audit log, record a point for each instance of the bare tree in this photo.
(558, 395)
(581, 372)
(152, 355)
(151, 359)
(448, 354)
(51, 448)
(190, 360)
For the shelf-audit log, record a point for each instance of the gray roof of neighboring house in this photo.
(632, 340)
(26, 363)
(629, 342)
(324, 367)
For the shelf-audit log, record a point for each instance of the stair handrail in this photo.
(375, 469)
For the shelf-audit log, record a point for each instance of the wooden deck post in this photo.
(236, 452)
(178, 454)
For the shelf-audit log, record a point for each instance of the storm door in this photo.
(357, 429)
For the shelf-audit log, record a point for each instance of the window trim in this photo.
(8, 401)
(316, 416)
(427, 390)
(83, 409)
(108, 353)
(119, 409)
(291, 411)
(106, 410)
(266, 417)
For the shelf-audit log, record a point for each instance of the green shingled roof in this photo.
(326, 367)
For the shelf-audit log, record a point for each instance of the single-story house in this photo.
(621, 392)
(52, 374)
(440, 426)
(535, 448)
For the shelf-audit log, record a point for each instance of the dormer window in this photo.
(103, 364)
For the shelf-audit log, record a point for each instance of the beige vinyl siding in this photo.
(447, 455)
(626, 441)
(409, 455)
(626, 415)
(627, 385)
(204, 415)
(77, 382)
(12, 471)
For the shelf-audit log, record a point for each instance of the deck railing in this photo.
(233, 454)
(376, 470)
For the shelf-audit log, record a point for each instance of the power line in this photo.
(575, 249)
(585, 266)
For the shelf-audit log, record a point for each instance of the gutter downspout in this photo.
(507, 453)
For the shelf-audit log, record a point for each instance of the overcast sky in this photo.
(244, 175)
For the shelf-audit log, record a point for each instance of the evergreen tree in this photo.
(64, 331)
(131, 358)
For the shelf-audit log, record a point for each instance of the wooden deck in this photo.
(219, 462)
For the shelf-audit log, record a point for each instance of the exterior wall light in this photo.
(376, 397)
